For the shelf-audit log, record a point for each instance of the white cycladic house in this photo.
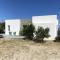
(13, 26)
(49, 21)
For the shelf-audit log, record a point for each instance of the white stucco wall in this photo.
(49, 21)
(14, 26)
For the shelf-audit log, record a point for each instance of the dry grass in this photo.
(28, 50)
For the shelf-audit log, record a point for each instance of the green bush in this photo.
(41, 33)
(58, 36)
(58, 32)
(28, 31)
(24, 30)
(2, 27)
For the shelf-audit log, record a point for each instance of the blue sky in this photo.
(25, 9)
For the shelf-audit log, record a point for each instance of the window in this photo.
(9, 27)
(10, 33)
(14, 33)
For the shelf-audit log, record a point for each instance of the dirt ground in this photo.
(29, 50)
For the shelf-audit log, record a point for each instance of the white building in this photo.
(49, 21)
(12, 27)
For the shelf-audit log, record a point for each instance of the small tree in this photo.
(58, 36)
(2, 27)
(41, 33)
(46, 32)
(24, 30)
(58, 32)
(28, 31)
